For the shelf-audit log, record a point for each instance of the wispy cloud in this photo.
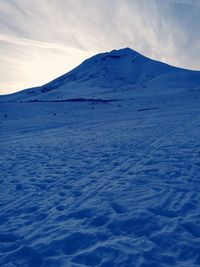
(30, 42)
(42, 39)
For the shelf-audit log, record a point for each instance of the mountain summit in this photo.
(116, 68)
(104, 72)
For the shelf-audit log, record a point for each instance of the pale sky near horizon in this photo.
(43, 39)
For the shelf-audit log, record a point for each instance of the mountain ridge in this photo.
(115, 69)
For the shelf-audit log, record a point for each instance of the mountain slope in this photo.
(118, 69)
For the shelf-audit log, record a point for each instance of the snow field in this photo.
(108, 186)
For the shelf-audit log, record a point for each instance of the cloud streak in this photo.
(40, 40)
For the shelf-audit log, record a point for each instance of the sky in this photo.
(43, 39)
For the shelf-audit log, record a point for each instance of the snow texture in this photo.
(94, 183)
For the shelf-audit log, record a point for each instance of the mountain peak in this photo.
(115, 69)
(123, 52)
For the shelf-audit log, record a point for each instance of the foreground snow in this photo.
(108, 184)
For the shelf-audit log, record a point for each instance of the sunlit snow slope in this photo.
(94, 182)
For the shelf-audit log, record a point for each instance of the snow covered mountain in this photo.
(118, 70)
(102, 183)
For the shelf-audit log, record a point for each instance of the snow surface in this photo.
(102, 184)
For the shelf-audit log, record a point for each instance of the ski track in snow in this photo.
(103, 187)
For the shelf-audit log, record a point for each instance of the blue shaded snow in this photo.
(98, 187)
